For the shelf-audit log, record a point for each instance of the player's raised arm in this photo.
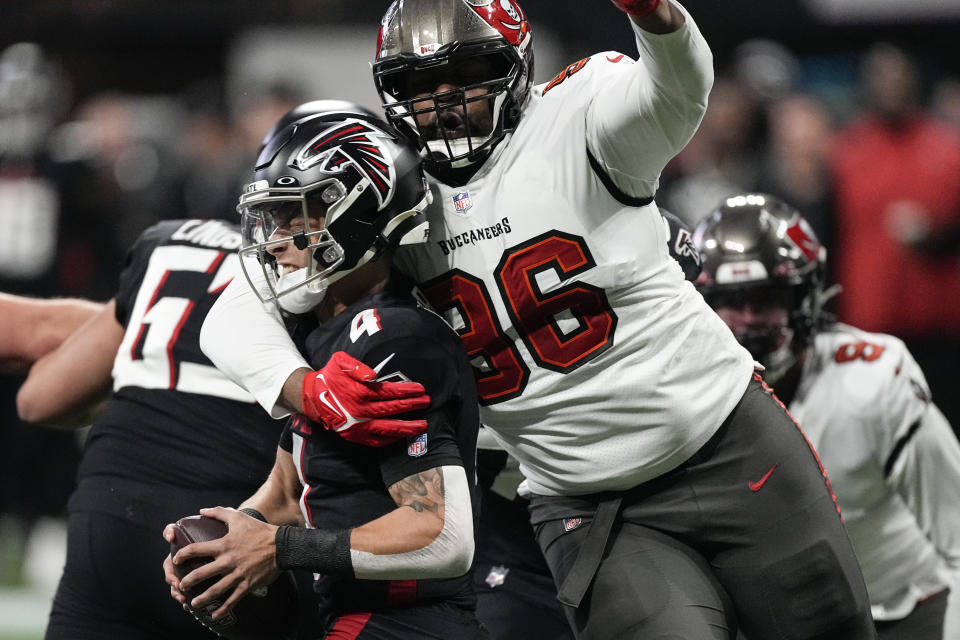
(248, 343)
(68, 383)
(639, 121)
(655, 16)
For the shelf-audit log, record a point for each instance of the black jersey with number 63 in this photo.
(173, 419)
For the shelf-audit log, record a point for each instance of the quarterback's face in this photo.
(289, 223)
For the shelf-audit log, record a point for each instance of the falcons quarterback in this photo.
(643, 432)
(863, 402)
(388, 531)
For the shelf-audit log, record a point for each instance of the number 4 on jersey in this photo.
(366, 322)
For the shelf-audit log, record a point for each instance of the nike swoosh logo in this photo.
(323, 399)
(380, 366)
(756, 486)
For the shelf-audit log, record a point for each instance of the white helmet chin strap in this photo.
(297, 297)
(459, 147)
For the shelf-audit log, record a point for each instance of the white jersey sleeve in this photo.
(246, 340)
(645, 112)
(926, 473)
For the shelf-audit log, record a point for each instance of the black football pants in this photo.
(746, 534)
(439, 621)
(112, 586)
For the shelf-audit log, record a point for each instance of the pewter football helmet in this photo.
(756, 247)
(474, 44)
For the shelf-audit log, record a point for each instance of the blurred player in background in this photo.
(389, 531)
(175, 434)
(861, 399)
(637, 419)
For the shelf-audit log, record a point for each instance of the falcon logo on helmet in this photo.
(353, 142)
(336, 182)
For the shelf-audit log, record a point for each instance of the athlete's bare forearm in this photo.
(277, 499)
(32, 327)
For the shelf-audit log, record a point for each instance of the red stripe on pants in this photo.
(816, 455)
(348, 627)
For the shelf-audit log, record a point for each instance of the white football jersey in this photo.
(600, 366)
(864, 404)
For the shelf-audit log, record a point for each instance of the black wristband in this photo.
(319, 550)
(253, 513)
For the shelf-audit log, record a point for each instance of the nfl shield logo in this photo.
(462, 202)
(569, 524)
(418, 446)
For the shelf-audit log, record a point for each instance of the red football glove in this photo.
(343, 397)
(637, 8)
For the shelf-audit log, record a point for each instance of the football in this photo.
(266, 612)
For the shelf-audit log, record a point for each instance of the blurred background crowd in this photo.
(117, 113)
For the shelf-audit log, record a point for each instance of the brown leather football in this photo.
(267, 612)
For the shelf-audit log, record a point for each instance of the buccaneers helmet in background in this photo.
(757, 250)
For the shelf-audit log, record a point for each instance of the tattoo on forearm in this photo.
(421, 492)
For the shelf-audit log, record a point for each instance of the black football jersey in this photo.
(346, 484)
(174, 421)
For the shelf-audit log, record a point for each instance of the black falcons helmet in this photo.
(342, 164)
(313, 108)
(422, 37)
(756, 243)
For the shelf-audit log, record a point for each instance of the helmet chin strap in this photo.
(298, 297)
(437, 149)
